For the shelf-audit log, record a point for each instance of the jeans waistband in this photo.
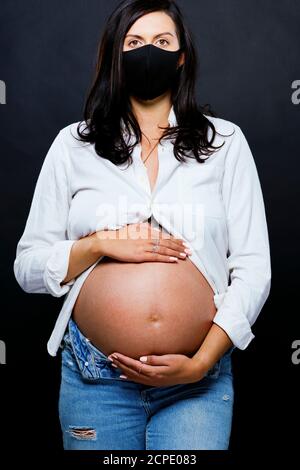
(80, 339)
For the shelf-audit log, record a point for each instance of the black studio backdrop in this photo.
(249, 73)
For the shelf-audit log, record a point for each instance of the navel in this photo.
(154, 317)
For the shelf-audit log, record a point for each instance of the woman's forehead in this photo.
(153, 24)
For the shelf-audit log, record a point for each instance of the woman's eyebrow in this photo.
(157, 35)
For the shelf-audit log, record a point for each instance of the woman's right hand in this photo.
(134, 243)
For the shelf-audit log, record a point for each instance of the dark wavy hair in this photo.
(107, 103)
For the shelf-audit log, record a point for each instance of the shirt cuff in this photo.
(236, 326)
(57, 267)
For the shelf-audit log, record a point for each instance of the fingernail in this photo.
(143, 358)
(109, 358)
(114, 356)
(173, 258)
(115, 365)
(123, 377)
(185, 244)
(188, 251)
(182, 254)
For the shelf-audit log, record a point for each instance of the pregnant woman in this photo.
(151, 219)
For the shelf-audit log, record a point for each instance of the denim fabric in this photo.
(100, 410)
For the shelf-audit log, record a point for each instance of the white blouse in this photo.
(217, 207)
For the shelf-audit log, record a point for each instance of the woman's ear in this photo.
(181, 59)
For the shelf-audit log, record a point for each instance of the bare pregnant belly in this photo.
(145, 308)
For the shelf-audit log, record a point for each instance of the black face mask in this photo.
(150, 71)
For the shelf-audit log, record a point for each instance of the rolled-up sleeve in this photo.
(248, 253)
(42, 253)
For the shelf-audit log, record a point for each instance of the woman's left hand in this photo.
(163, 370)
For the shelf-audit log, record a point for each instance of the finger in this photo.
(166, 240)
(141, 369)
(168, 243)
(149, 256)
(156, 233)
(140, 379)
(177, 249)
(127, 371)
(156, 360)
(165, 251)
(176, 245)
(134, 364)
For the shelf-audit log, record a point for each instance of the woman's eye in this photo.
(164, 40)
(131, 42)
(134, 42)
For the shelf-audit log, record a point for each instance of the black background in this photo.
(249, 57)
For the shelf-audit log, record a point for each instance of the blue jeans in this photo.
(100, 411)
